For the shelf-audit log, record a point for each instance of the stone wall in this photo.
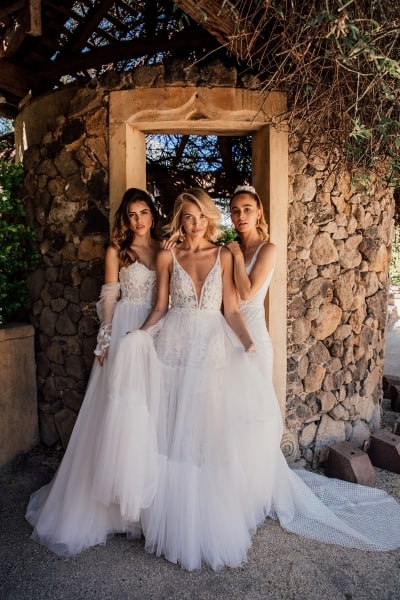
(66, 188)
(338, 257)
(339, 235)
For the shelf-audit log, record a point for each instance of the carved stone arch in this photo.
(213, 111)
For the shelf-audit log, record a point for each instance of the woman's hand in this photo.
(167, 244)
(234, 248)
(250, 349)
(102, 358)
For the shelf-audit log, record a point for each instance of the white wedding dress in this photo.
(65, 514)
(186, 449)
(217, 431)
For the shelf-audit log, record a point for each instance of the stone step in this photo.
(348, 462)
(384, 450)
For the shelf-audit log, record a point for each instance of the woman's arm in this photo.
(231, 308)
(111, 265)
(109, 296)
(248, 285)
(163, 272)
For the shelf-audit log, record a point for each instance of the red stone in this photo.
(347, 462)
(384, 450)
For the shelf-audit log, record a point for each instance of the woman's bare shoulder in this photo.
(164, 256)
(267, 256)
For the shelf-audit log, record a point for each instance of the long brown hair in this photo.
(122, 236)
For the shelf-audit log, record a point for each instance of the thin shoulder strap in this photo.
(256, 253)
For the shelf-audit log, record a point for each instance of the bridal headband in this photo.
(245, 188)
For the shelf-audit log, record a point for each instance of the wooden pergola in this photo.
(45, 44)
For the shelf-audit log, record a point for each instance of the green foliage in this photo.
(228, 236)
(16, 253)
(339, 62)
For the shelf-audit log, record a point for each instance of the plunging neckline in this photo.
(200, 297)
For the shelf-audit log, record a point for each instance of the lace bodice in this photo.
(138, 284)
(183, 291)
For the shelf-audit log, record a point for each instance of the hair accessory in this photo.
(245, 188)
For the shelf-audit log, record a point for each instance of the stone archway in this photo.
(215, 111)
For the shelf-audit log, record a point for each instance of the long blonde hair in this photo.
(205, 204)
(262, 226)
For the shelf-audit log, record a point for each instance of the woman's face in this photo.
(139, 217)
(244, 213)
(193, 221)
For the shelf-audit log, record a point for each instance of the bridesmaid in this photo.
(65, 514)
(254, 259)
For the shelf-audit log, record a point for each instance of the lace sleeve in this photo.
(109, 296)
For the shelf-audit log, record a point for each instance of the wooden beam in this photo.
(26, 22)
(11, 7)
(83, 32)
(219, 18)
(12, 39)
(184, 40)
(14, 79)
(35, 18)
(224, 21)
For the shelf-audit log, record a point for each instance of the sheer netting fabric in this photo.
(65, 514)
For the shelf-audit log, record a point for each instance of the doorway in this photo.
(213, 111)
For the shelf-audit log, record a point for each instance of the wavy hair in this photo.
(205, 203)
(262, 226)
(122, 236)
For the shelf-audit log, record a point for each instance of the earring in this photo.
(182, 230)
(258, 221)
(152, 224)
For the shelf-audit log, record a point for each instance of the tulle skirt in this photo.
(220, 468)
(65, 514)
(185, 448)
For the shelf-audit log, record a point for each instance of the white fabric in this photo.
(221, 470)
(189, 449)
(65, 514)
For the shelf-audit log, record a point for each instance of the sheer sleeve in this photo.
(109, 296)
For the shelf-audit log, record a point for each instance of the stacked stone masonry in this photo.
(338, 255)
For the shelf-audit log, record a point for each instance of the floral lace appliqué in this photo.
(138, 284)
(183, 293)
